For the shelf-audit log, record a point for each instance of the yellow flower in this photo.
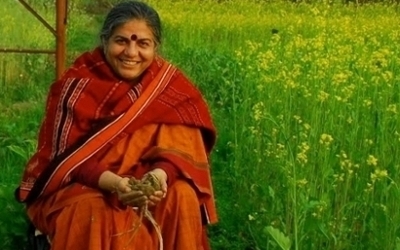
(325, 139)
(302, 158)
(302, 182)
(251, 217)
(323, 96)
(387, 76)
(349, 120)
(392, 108)
(258, 110)
(298, 118)
(372, 161)
(381, 173)
(367, 103)
(369, 141)
(378, 174)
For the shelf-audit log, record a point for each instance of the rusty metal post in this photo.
(61, 23)
(59, 33)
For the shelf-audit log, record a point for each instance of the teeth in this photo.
(129, 62)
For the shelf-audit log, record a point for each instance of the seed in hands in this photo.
(148, 184)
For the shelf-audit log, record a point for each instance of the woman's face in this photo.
(130, 49)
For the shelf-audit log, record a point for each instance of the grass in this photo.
(309, 134)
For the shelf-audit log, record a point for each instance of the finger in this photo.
(164, 186)
(161, 193)
(141, 201)
(151, 204)
(130, 195)
(155, 199)
(158, 193)
(125, 189)
(123, 185)
(136, 202)
(133, 193)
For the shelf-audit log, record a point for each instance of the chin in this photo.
(128, 77)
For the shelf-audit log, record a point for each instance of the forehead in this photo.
(135, 26)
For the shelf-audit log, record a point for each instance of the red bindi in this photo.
(133, 37)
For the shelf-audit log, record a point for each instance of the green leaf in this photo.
(19, 151)
(271, 192)
(2, 193)
(397, 243)
(282, 240)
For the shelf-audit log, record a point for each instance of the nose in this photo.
(132, 50)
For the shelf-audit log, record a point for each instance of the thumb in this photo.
(125, 189)
(164, 185)
(123, 185)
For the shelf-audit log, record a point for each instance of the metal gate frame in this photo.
(59, 32)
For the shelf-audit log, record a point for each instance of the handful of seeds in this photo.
(148, 184)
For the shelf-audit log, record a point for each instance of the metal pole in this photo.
(41, 19)
(61, 23)
(27, 51)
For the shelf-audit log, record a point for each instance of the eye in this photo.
(144, 44)
(120, 41)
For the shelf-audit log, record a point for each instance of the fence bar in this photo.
(59, 32)
(41, 19)
(29, 51)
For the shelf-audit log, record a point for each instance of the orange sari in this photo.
(95, 120)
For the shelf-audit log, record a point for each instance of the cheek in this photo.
(108, 53)
(148, 53)
(112, 51)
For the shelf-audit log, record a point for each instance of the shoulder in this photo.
(181, 79)
(91, 65)
(184, 83)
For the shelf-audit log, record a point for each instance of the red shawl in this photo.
(90, 108)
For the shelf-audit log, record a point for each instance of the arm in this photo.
(172, 173)
(112, 182)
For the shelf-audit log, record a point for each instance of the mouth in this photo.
(129, 62)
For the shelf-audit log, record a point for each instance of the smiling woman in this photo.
(119, 119)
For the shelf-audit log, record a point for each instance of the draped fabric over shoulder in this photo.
(95, 122)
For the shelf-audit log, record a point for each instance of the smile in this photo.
(128, 62)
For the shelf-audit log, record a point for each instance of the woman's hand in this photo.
(122, 185)
(162, 177)
(136, 198)
(128, 196)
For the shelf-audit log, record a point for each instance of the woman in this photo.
(119, 112)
